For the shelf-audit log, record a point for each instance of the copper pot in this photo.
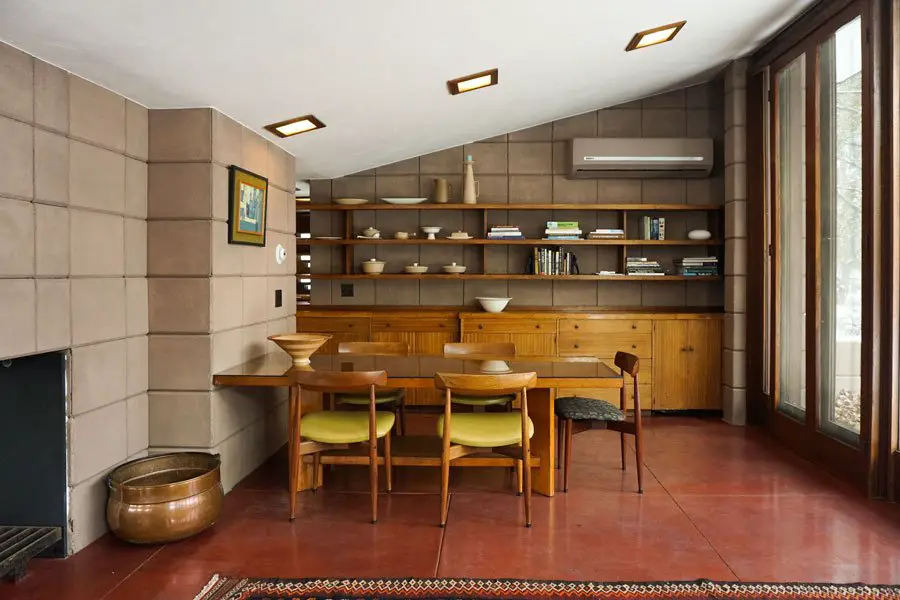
(164, 498)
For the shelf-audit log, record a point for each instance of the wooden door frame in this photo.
(852, 462)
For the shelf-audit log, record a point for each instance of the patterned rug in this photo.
(235, 588)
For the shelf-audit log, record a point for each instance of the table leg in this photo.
(543, 444)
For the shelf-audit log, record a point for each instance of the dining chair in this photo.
(338, 429)
(573, 410)
(392, 396)
(508, 434)
(488, 351)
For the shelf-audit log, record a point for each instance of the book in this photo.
(562, 224)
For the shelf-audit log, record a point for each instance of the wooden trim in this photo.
(757, 245)
(813, 252)
(797, 32)
(397, 313)
(493, 242)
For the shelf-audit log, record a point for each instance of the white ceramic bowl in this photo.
(431, 231)
(416, 269)
(493, 305)
(373, 267)
(454, 269)
(699, 234)
(349, 201)
(404, 200)
(495, 366)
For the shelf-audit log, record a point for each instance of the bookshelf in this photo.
(626, 213)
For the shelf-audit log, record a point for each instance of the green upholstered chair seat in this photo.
(382, 397)
(587, 409)
(482, 400)
(485, 430)
(343, 427)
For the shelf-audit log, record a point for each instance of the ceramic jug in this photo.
(442, 190)
(470, 186)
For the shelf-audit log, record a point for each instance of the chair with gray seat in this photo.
(577, 410)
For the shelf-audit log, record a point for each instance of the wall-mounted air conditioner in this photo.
(666, 158)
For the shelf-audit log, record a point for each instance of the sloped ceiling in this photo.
(375, 71)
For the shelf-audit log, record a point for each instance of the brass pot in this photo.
(164, 498)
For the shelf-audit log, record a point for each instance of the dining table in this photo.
(417, 371)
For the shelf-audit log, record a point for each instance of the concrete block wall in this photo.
(734, 391)
(73, 208)
(529, 166)
(211, 304)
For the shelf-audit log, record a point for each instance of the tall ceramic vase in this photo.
(470, 186)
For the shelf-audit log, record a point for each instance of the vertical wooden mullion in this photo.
(775, 183)
(813, 240)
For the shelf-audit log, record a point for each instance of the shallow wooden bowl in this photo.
(300, 346)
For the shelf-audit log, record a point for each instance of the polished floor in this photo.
(719, 503)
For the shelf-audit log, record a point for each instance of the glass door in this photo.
(841, 231)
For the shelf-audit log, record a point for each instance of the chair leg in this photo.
(294, 459)
(445, 487)
(568, 460)
(401, 416)
(518, 478)
(526, 468)
(316, 461)
(373, 477)
(622, 444)
(560, 434)
(388, 467)
(639, 457)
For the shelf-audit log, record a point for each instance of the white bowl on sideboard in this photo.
(493, 305)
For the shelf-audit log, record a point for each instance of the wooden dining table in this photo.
(417, 371)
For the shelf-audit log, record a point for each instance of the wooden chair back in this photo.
(480, 348)
(374, 348)
(339, 381)
(485, 385)
(629, 363)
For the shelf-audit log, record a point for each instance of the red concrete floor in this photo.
(720, 502)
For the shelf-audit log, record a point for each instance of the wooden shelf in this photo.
(481, 242)
(541, 206)
(504, 276)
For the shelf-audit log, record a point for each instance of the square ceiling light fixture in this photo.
(473, 82)
(652, 37)
(295, 126)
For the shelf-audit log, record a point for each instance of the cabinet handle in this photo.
(634, 347)
(481, 327)
(387, 324)
(633, 326)
(577, 346)
(576, 327)
(683, 349)
(537, 326)
(690, 348)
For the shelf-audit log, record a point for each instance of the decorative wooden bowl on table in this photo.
(300, 346)
(164, 498)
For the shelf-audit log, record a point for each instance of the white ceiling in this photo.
(375, 71)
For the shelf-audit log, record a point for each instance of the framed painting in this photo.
(248, 197)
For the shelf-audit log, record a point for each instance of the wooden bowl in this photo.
(300, 345)
(164, 498)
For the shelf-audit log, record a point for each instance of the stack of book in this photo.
(698, 266)
(607, 234)
(637, 265)
(562, 230)
(505, 232)
(553, 261)
(653, 228)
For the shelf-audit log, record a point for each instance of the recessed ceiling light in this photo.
(294, 126)
(473, 82)
(651, 37)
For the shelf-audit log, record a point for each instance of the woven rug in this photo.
(235, 588)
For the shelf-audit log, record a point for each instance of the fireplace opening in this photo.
(33, 448)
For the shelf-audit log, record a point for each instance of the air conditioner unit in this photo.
(667, 158)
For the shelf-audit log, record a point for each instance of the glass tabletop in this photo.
(424, 366)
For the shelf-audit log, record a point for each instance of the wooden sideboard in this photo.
(680, 352)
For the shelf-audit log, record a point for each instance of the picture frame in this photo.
(247, 203)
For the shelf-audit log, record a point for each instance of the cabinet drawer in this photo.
(420, 325)
(604, 346)
(604, 326)
(509, 326)
(333, 325)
